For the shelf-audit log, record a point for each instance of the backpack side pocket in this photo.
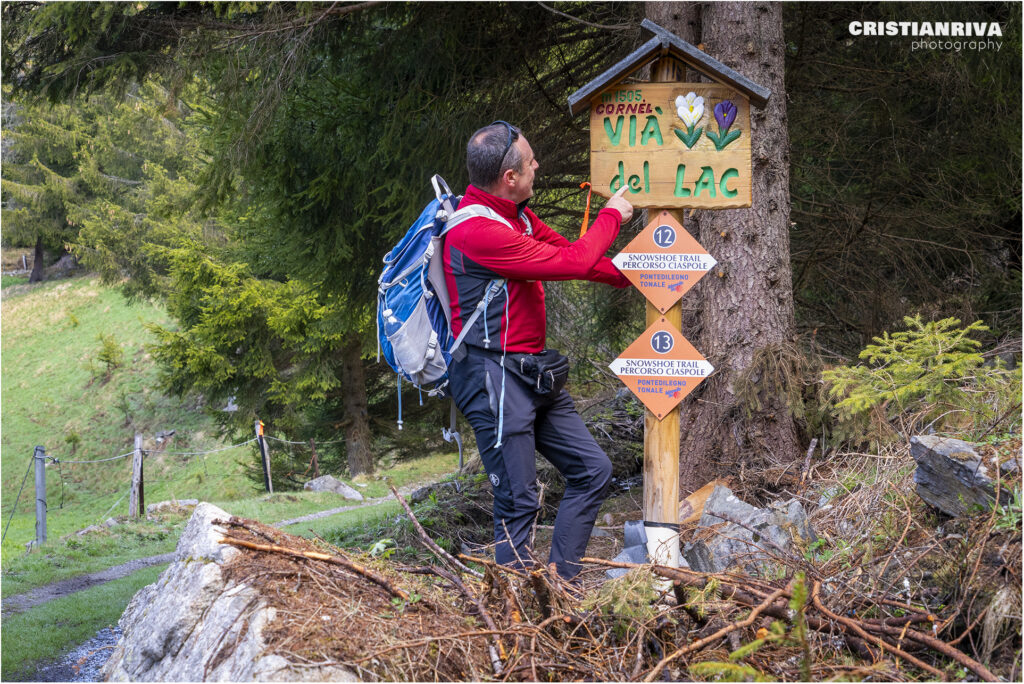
(421, 365)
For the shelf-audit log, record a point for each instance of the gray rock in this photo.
(634, 533)
(192, 625)
(951, 475)
(423, 493)
(64, 267)
(722, 500)
(88, 530)
(630, 554)
(699, 558)
(110, 522)
(164, 435)
(329, 483)
(1010, 466)
(749, 536)
(830, 494)
(172, 505)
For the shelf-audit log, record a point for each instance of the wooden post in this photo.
(315, 462)
(136, 498)
(661, 437)
(264, 457)
(40, 458)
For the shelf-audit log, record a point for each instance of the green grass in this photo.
(430, 467)
(271, 508)
(45, 632)
(62, 559)
(55, 393)
(8, 280)
(331, 527)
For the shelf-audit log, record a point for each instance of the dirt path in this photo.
(404, 491)
(328, 513)
(30, 599)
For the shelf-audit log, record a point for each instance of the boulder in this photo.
(951, 475)
(172, 505)
(193, 625)
(421, 494)
(65, 267)
(698, 557)
(747, 536)
(329, 483)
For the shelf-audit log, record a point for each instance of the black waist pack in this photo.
(545, 372)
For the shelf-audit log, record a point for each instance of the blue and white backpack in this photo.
(413, 309)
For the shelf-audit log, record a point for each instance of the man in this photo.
(508, 415)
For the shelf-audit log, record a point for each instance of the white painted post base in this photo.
(662, 545)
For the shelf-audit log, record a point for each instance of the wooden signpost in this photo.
(675, 145)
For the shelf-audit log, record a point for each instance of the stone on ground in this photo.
(952, 476)
(747, 536)
(329, 483)
(194, 625)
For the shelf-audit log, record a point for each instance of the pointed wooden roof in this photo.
(662, 44)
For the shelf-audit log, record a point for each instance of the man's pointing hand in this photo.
(621, 204)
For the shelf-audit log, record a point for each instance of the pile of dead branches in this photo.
(470, 619)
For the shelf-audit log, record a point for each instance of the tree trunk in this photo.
(356, 419)
(37, 262)
(746, 302)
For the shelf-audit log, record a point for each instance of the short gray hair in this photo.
(484, 160)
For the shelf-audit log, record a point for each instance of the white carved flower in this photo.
(690, 108)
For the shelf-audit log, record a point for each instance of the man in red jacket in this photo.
(497, 261)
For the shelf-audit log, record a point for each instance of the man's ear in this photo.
(508, 178)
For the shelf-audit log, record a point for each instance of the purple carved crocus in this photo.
(725, 114)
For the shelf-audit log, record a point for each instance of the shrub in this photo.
(110, 353)
(930, 376)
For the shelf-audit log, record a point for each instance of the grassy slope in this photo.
(54, 388)
(55, 394)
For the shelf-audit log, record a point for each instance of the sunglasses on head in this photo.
(513, 135)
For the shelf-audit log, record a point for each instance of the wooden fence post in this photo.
(136, 500)
(315, 461)
(40, 458)
(265, 457)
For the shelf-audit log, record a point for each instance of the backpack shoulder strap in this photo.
(493, 288)
(474, 211)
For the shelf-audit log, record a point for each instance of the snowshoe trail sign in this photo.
(661, 367)
(664, 261)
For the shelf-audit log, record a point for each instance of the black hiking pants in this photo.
(529, 422)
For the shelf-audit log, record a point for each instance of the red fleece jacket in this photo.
(479, 250)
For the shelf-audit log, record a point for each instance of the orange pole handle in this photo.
(586, 212)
